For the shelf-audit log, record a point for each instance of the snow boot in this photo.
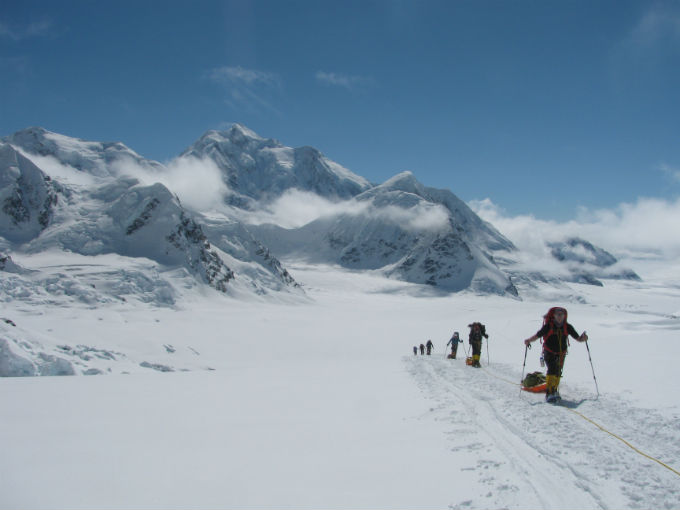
(553, 397)
(475, 361)
(551, 393)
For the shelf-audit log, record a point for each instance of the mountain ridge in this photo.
(402, 228)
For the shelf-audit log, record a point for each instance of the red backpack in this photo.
(549, 319)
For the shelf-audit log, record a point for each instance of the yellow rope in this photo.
(601, 428)
(624, 441)
(498, 377)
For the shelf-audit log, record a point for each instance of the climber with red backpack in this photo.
(555, 333)
(477, 331)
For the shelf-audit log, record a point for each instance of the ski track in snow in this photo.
(548, 456)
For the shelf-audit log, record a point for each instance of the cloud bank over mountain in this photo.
(643, 231)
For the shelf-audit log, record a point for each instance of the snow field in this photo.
(323, 405)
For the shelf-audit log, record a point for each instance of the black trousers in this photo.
(554, 362)
(476, 347)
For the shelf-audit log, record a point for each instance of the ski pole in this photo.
(591, 367)
(526, 348)
(488, 361)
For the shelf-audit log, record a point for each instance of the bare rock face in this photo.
(28, 197)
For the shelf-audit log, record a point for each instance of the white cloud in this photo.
(650, 43)
(198, 183)
(422, 216)
(342, 80)
(658, 25)
(648, 225)
(296, 208)
(672, 172)
(59, 171)
(646, 230)
(248, 89)
(19, 33)
(238, 74)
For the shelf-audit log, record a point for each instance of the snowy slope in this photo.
(322, 405)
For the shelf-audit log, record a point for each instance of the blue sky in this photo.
(543, 107)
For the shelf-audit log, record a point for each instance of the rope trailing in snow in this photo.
(498, 377)
(624, 442)
(636, 450)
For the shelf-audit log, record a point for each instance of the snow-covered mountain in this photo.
(401, 228)
(96, 158)
(94, 198)
(587, 263)
(122, 217)
(410, 232)
(549, 269)
(116, 213)
(256, 168)
(28, 197)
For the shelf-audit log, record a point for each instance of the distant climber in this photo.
(477, 331)
(455, 340)
(429, 345)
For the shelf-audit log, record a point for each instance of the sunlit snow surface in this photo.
(238, 401)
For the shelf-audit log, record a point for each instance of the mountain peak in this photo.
(34, 130)
(257, 168)
(404, 181)
(37, 136)
(239, 130)
(235, 133)
(235, 138)
(35, 139)
(93, 157)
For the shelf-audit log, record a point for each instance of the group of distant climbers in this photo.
(423, 347)
(477, 332)
(555, 334)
